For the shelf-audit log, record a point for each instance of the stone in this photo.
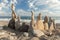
(39, 23)
(54, 24)
(46, 23)
(13, 13)
(38, 27)
(17, 23)
(24, 27)
(34, 38)
(11, 23)
(51, 28)
(26, 34)
(32, 22)
(1, 27)
(46, 26)
(38, 33)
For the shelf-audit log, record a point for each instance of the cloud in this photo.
(7, 4)
(5, 7)
(46, 7)
(22, 12)
(50, 7)
(13, 1)
(36, 3)
(4, 13)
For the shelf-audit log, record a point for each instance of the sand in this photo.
(2, 23)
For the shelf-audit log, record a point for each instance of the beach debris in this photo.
(46, 23)
(39, 23)
(17, 23)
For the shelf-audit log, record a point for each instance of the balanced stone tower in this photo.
(32, 19)
(11, 23)
(45, 23)
(39, 23)
(51, 24)
(32, 22)
(39, 27)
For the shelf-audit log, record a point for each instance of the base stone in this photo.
(38, 33)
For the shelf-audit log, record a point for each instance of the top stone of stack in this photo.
(13, 13)
(32, 18)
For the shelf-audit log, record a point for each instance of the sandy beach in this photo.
(2, 23)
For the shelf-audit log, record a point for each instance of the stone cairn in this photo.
(12, 21)
(39, 27)
(39, 23)
(45, 23)
(32, 22)
(51, 25)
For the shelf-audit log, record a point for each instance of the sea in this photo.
(28, 18)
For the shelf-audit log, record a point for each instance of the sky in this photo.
(24, 7)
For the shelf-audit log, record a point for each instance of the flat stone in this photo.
(34, 38)
(38, 33)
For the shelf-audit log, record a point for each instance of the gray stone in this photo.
(26, 34)
(34, 38)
